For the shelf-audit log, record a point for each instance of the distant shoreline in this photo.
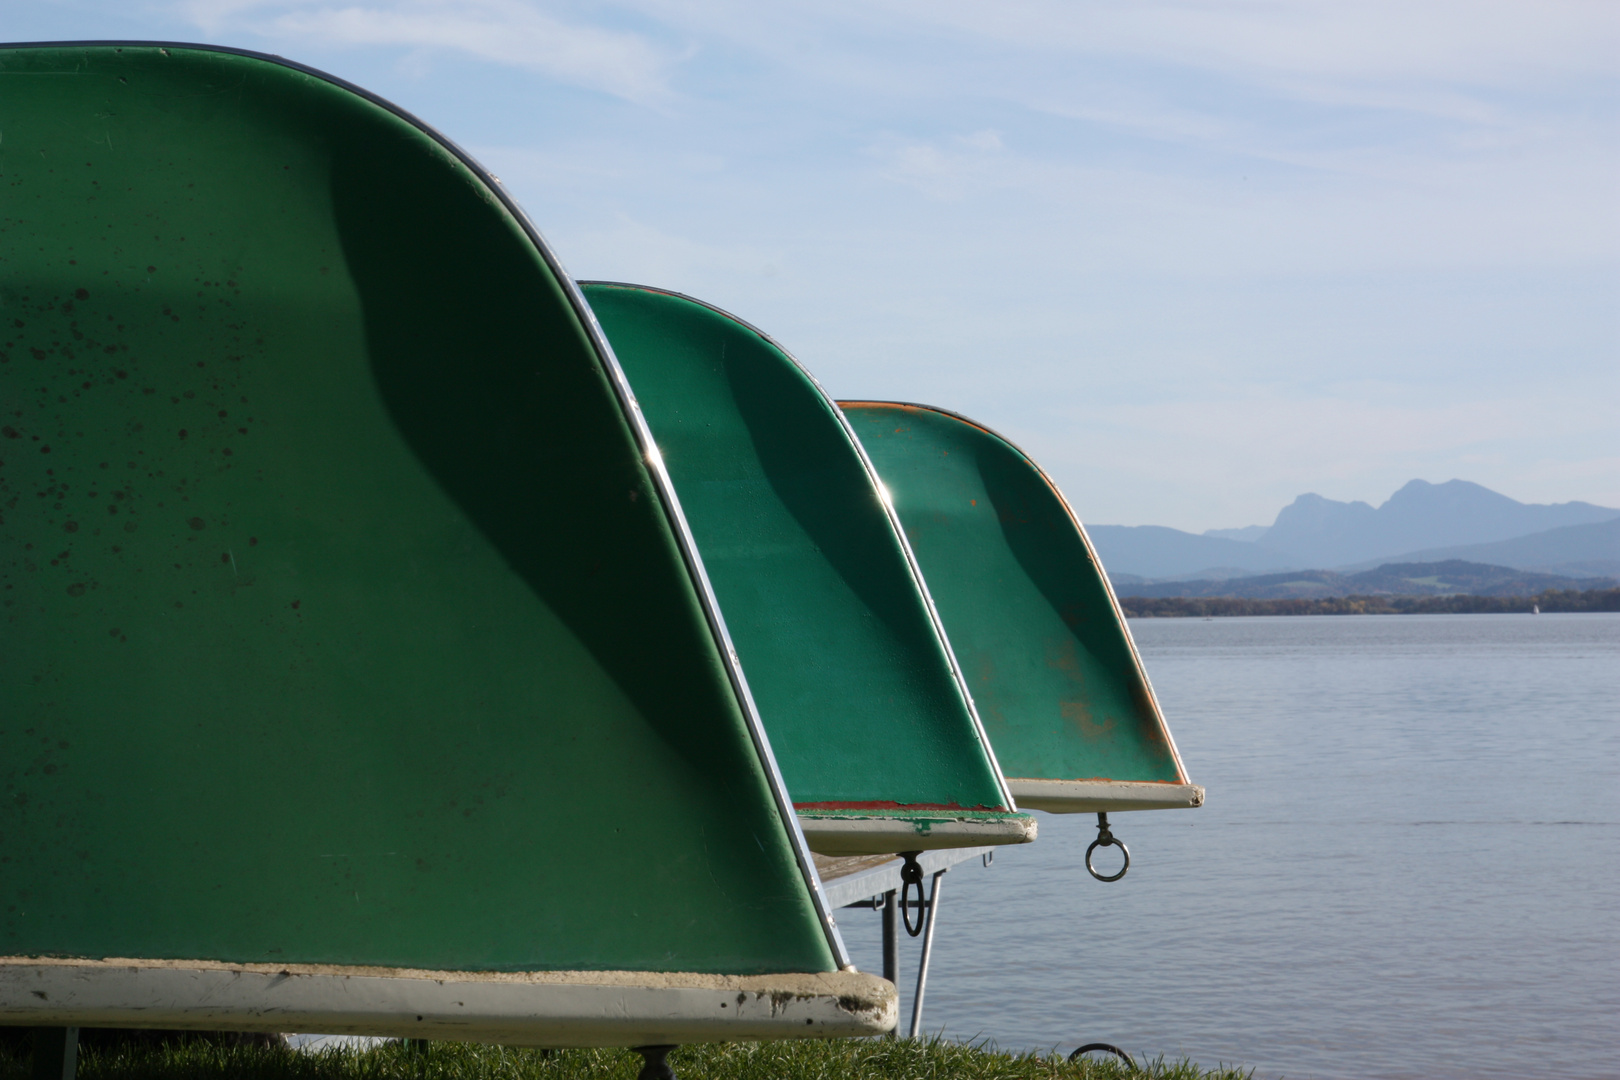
(1552, 600)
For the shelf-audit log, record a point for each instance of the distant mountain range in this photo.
(1392, 579)
(1577, 550)
(1421, 522)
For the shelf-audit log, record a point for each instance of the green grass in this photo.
(880, 1059)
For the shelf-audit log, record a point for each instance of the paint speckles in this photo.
(197, 523)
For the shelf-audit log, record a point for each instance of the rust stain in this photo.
(1078, 713)
(888, 804)
(1150, 725)
(1061, 655)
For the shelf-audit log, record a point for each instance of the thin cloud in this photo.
(1478, 42)
(1136, 205)
(1376, 53)
(948, 173)
(1260, 450)
(507, 32)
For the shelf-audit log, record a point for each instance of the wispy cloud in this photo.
(948, 171)
(1142, 208)
(1261, 448)
(1480, 43)
(508, 32)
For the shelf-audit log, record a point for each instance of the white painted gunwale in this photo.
(549, 1008)
(1092, 796)
(848, 835)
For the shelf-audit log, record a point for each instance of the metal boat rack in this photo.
(874, 882)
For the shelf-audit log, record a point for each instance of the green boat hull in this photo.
(876, 737)
(1029, 611)
(350, 629)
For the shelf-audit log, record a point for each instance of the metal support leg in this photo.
(932, 915)
(891, 938)
(891, 945)
(56, 1053)
(653, 1065)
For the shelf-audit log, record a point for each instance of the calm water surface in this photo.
(1408, 866)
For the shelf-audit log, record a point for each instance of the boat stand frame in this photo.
(56, 1053)
(888, 902)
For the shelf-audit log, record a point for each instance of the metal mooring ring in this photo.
(1106, 1047)
(1105, 838)
(1108, 841)
(911, 873)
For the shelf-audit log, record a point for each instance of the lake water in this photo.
(1408, 864)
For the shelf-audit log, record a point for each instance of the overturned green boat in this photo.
(1034, 622)
(875, 732)
(359, 673)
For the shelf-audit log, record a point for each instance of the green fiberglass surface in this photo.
(1041, 642)
(852, 679)
(343, 621)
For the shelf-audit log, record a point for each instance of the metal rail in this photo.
(879, 890)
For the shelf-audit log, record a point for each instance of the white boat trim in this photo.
(847, 834)
(1091, 796)
(547, 1008)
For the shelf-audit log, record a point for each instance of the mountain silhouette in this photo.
(1575, 550)
(1314, 531)
(1420, 522)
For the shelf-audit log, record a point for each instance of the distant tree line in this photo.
(1144, 607)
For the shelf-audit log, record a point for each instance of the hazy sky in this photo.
(1197, 258)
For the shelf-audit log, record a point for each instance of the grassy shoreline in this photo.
(850, 1059)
